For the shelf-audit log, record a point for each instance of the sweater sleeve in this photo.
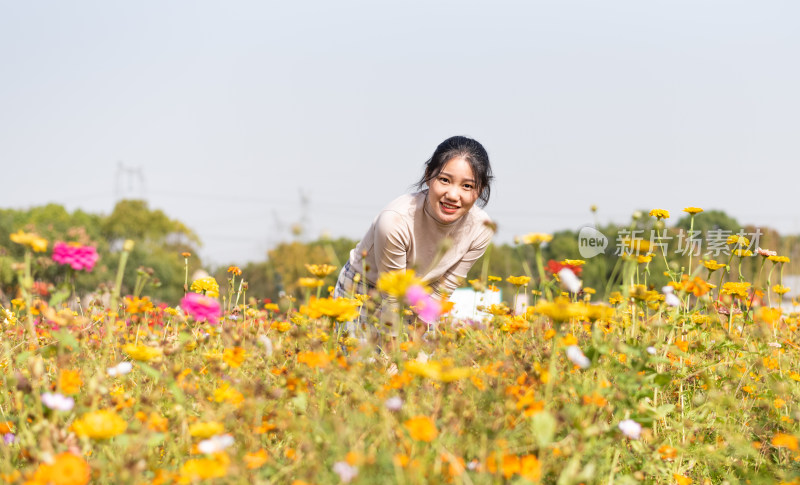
(456, 274)
(392, 240)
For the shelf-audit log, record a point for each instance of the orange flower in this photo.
(256, 459)
(782, 440)
(668, 453)
(421, 428)
(69, 381)
(314, 359)
(681, 480)
(530, 468)
(234, 357)
(66, 469)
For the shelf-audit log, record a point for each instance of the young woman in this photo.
(439, 231)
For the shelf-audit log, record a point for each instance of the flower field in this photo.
(694, 382)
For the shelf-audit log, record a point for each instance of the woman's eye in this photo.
(468, 186)
(443, 180)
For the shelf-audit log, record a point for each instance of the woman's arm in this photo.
(392, 239)
(456, 275)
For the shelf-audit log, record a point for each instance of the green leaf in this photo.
(66, 339)
(300, 402)
(58, 297)
(543, 426)
(22, 357)
(662, 380)
(150, 371)
(156, 439)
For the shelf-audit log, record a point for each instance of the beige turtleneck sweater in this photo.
(405, 235)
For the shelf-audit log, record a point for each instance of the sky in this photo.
(242, 118)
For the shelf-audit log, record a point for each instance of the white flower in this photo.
(422, 357)
(651, 350)
(215, 444)
(569, 280)
(267, 343)
(777, 345)
(394, 403)
(672, 300)
(630, 428)
(345, 471)
(575, 354)
(57, 402)
(120, 369)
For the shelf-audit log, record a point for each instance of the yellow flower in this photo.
(535, 238)
(32, 240)
(743, 253)
(421, 428)
(395, 283)
(141, 352)
(226, 393)
(637, 245)
(644, 259)
(207, 286)
(574, 262)
(778, 259)
(692, 210)
(204, 468)
(497, 309)
(780, 289)
(206, 429)
(738, 240)
(438, 371)
(99, 425)
(712, 265)
(69, 381)
(234, 357)
(736, 289)
(310, 282)
(659, 214)
(320, 270)
(235, 270)
(560, 310)
(342, 309)
(518, 280)
(138, 305)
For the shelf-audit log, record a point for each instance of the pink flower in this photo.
(201, 307)
(416, 294)
(766, 252)
(78, 256)
(427, 309)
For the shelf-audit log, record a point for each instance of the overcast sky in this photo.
(226, 115)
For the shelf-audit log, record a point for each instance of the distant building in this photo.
(793, 282)
(466, 302)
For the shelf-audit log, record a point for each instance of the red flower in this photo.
(556, 266)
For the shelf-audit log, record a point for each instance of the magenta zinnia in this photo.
(78, 256)
(201, 307)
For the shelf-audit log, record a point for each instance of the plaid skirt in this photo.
(346, 285)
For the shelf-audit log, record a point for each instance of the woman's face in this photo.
(452, 192)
